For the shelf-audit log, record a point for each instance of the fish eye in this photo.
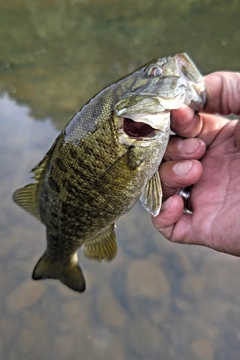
(156, 71)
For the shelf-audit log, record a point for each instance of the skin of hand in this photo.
(205, 153)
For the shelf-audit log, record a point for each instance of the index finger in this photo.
(187, 124)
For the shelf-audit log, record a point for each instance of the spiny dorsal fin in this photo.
(103, 246)
(151, 197)
(68, 272)
(40, 167)
(26, 198)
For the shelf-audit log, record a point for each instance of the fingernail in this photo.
(182, 168)
(166, 204)
(189, 146)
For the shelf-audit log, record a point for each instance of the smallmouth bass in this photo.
(103, 161)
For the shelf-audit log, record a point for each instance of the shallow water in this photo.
(156, 300)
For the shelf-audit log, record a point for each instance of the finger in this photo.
(173, 224)
(180, 149)
(182, 230)
(211, 125)
(176, 175)
(223, 93)
(171, 212)
(221, 134)
(205, 126)
(185, 123)
(237, 134)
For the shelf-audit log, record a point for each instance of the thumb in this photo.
(222, 93)
(237, 134)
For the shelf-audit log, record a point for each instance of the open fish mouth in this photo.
(138, 129)
(144, 125)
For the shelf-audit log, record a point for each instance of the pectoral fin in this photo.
(151, 197)
(125, 164)
(102, 247)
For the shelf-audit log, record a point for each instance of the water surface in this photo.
(156, 300)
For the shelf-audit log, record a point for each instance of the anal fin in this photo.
(26, 198)
(103, 246)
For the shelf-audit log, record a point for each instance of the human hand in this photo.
(215, 195)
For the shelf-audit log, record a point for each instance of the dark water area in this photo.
(156, 300)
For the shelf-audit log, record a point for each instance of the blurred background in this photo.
(156, 300)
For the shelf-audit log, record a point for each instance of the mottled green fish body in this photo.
(103, 161)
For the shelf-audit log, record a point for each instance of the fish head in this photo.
(149, 94)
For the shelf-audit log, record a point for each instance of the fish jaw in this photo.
(195, 95)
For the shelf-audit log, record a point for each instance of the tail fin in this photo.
(68, 273)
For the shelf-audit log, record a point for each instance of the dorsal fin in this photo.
(41, 166)
(151, 197)
(103, 246)
(26, 197)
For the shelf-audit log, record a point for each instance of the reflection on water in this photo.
(54, 58)
(155, 300)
